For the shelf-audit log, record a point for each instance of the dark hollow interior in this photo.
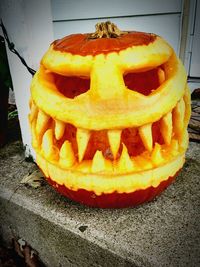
(141, 82)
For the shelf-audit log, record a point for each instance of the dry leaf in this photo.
(35, 179)
(17, 248)
(22, 243)
(29, 255)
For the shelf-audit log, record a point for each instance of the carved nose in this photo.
(106, 80)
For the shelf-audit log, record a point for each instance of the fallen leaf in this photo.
(17, 248)
(24, 250)
(31, 257)
(22, 243)
(35, 179)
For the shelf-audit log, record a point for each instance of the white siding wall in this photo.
(160, 17)
(88, 9)
(194, 70)
(29, 26)
(192, 54)
(168, 26)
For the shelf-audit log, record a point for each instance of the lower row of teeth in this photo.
(171, 125)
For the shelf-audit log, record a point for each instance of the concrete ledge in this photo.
(165, 232)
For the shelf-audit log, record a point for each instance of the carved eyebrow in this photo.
(66, 63)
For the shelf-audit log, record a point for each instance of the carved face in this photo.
(109, 116)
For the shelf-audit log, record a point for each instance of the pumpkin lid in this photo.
(107, 38)
(75, 54)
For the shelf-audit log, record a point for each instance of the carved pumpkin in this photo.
(109, 115)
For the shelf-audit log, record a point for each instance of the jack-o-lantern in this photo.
(109, 115)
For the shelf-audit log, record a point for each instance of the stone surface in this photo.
(164, 232)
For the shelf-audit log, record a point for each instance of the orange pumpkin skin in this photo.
(81, 44)
(113, 200)
(109, 117)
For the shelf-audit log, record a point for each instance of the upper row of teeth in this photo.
(171, 124)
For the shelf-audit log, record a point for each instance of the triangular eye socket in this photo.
(142, 82)
(71, 86)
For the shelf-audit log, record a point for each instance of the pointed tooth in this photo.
(84, 166)
(67, 157)
(184, 139)
(33, 113)
(143, 162)
(98, 162)
(82, 138)
(59, 129)
(42, 121)
(42, 163)
(34, 136)
(156, 155)
(125, 163)
(166, 128)
(145, 133)
(161, 75)
(174, 147)
(47, 143)
(174, 144)
(178, 116)
(114, 137)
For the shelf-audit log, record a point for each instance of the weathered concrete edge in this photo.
(109, 257)
(119, 230)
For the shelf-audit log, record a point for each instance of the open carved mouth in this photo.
(107, 151)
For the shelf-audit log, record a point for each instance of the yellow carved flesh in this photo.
(125, 162)
(67, 157)
(161, 75)
(82, 138)
(156, 156)
(105, 183)
(33, 113)
(166, 128)
(114, 138)
(47, 143)
(178, 117)
(42, 121)
(174, 147)
(98, 162)
(59, 129)
(145, 133)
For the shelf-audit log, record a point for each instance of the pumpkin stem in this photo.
(106, 30)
